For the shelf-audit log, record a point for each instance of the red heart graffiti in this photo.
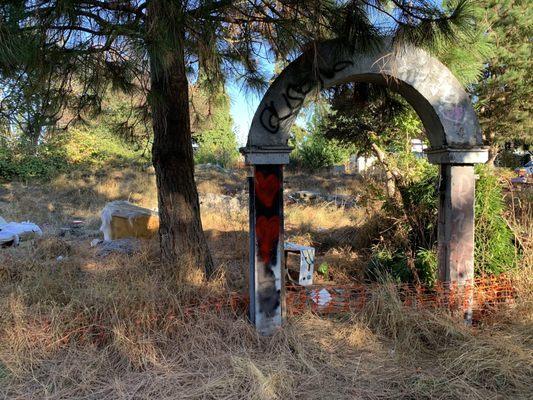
(267, 231)
(266, 188)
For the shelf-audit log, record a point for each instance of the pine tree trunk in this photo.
(182, 240)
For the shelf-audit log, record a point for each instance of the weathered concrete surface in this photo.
(121, 219)
(436, 95)
(448, 155)
(456, 224)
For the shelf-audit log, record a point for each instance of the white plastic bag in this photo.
(13, 232)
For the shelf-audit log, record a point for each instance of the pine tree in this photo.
(504, 92)
(156, 46)
(212, 127)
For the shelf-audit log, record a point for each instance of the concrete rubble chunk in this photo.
(222, 202)
(122, 219)
(308, 197)
(126, 246)
(210, 167)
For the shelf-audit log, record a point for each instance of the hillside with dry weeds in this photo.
(75, 325)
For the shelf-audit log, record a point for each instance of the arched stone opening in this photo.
(455, 143)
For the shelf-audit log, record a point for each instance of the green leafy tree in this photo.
(315, 150)
(156, 46)
(494, 251)
(374, 121)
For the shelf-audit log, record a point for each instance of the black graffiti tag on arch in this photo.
(295, 94)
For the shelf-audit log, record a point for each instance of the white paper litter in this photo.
(322, 298)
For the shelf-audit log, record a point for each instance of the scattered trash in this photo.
(338, 169)
(96, 242)
(524, 175)
(122, 219)
(323, 270)
(322, 297)
(306, 265)
(520, 180)
(11, 233)
(74, 229)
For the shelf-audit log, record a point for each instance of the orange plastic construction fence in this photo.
(481, 297)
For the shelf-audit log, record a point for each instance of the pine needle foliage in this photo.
(504, 91)
(72, 52)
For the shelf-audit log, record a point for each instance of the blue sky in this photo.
(243, 106)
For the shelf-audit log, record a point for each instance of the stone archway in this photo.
(448, 118)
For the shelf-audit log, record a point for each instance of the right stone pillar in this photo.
(456, 211)
(456, 223)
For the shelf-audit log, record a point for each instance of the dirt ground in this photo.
(77, 326)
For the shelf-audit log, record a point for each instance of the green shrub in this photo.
(495, 251)
(79, 147)
(317, 152)
(17, 162)
(97, 145)
(217, 143)
(394, 263)
(416, 231)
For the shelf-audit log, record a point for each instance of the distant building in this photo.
(360, 164)
(418, 147)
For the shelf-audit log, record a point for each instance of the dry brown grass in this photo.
(69, 331)
(117, 328)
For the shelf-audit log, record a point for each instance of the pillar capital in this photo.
(458, 155)
(260, 155)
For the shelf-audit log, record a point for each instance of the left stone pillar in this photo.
(266, 278)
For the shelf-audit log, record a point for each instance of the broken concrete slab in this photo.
(122, 219)
(223, 202)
